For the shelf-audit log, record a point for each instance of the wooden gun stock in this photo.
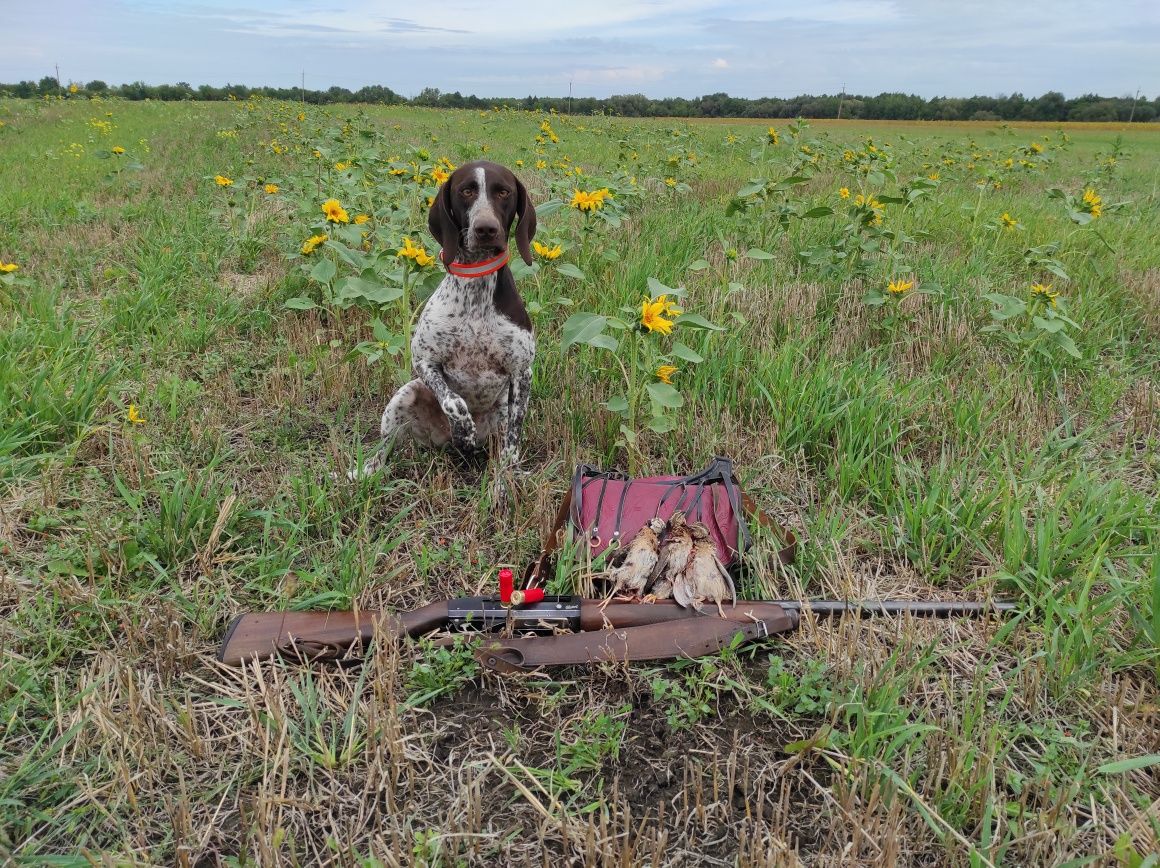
(319, 635)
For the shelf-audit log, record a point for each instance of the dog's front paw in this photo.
(462, 425)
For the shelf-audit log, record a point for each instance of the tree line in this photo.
(1051, 106)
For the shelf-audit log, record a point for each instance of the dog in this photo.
(473, 346)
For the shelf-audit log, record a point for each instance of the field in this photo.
(931, 350)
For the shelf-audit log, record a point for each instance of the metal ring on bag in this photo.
(614, 542)
(594, 540)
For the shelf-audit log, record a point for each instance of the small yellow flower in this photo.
(118, 150)
(519, 163)
(222, 180)
(665, 373)
(1009, 162)
(341, 167)
(440, 175)
(317, 153)
(272, 189)
(900, 287)
(360, 219)
(933, 176)
(541, 164)
(1008, 222)
(593, 201)
(1093, 204)
(653, 313)
(301, 116)
(410, 251)
(1036, 148)
(774, 138)
(547, 252)
(1045, 291)
(135, 416)
(670, 182)
(334, 211)
(844, 192)
(313, 241)
(72, 88)
(8, 267)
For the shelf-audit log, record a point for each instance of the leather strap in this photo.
(694, 638)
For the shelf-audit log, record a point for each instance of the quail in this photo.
(640, 559)
(704, 578)
(675, 552)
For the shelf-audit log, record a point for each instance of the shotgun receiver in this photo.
(555, 631)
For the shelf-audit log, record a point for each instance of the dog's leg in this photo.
(414, 413)
(517, 408)
(453, 406)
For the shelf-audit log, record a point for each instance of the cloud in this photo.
(750, 48)
(625, 74)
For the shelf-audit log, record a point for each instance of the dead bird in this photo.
(640, 560)
(704, 578)
(676, 549)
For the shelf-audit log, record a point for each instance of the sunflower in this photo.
(334, 211)
(547, 252)
(665, 373)
(1092, 203)
(900, 287)
(313, 241)
(653, 314)
(410, 251)
(1045, 291)
(592, 201)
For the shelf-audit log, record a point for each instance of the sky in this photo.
(597, 47)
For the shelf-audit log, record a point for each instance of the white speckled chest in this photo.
(478, 348)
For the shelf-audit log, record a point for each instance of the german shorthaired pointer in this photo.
(473, 346)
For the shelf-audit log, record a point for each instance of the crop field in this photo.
(931, 350)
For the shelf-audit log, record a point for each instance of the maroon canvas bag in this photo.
(607, 508)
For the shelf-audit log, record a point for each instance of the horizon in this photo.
(685, 49)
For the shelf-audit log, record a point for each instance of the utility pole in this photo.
(302, 90)
(1132, 114)
(841, 99)
(59, 89)
(569, 96)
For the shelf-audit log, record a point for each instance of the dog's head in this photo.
(474, 211)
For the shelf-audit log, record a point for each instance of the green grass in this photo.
(918, 445)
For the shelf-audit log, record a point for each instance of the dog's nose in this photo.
(487, 230)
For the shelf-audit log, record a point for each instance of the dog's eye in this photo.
(503, 192)
(467, 192)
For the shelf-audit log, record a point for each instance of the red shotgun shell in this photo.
(530, 595)
(506, 583)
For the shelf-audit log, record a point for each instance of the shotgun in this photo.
(556, 630)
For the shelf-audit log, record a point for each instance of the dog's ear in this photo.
(526, 231)
(441, 222)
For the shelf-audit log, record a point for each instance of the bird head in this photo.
(677, 521)
(699, 531)
(656, 525)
